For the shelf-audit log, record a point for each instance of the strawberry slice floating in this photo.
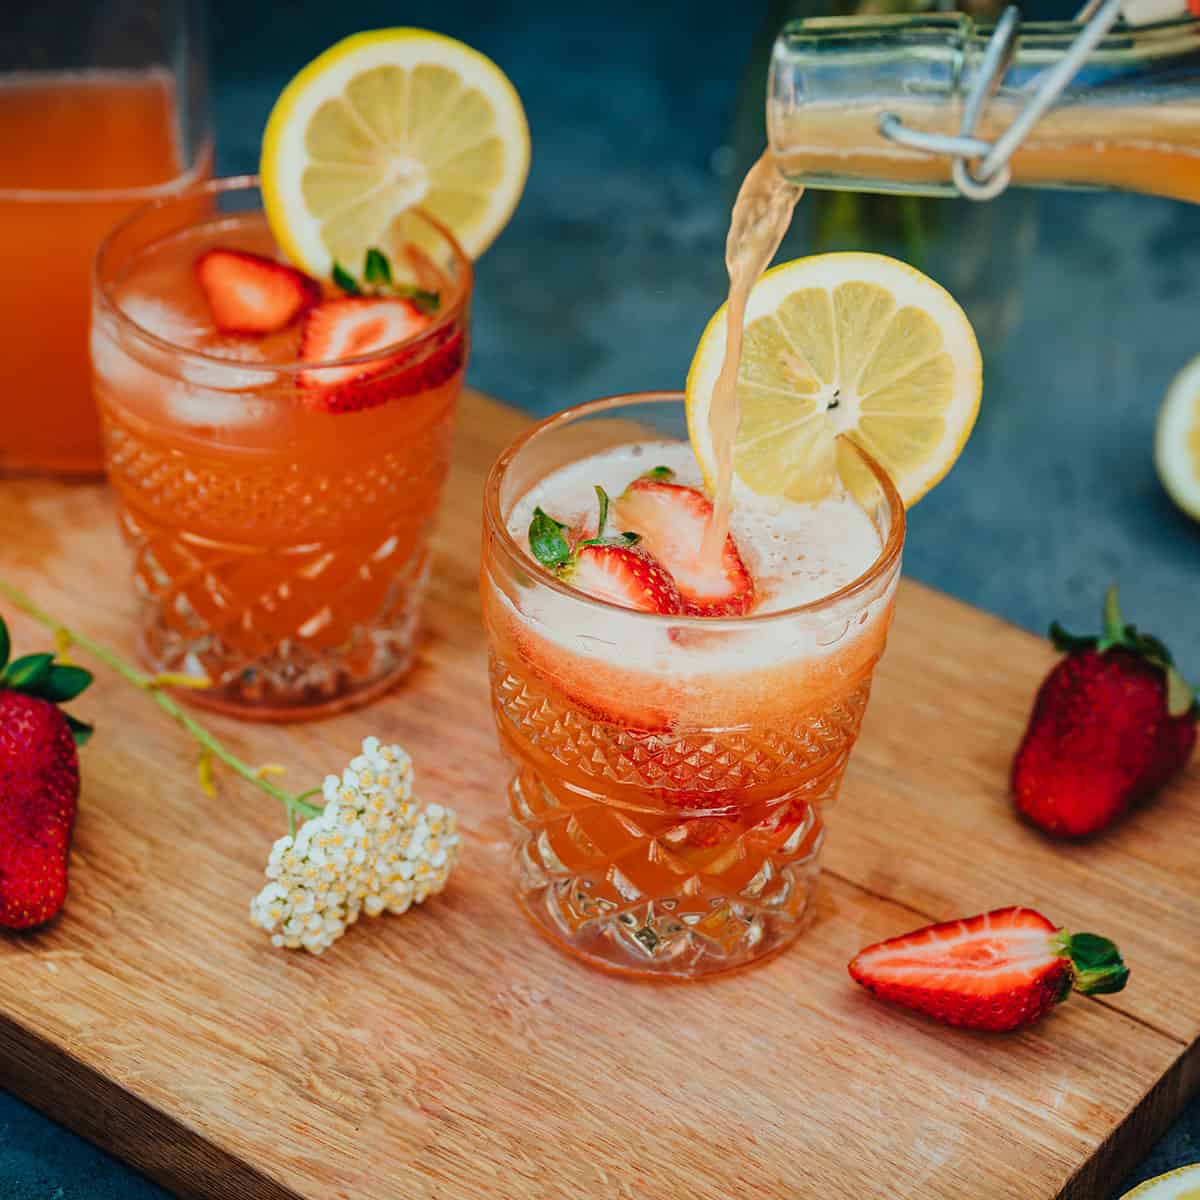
(672, 520)
(615, 569)
(357, 325)
(624, 575)
(251, 295)
(996, 971)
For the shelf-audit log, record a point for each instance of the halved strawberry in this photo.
(624, 575)
(672, 520)
(615, 569)
(252, 295)
(355, 325)
(996, 971)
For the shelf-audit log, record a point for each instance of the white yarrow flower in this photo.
(372, 849)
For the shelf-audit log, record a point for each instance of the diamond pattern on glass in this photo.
(680, 851)
(284, 586)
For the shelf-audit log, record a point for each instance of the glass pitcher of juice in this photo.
(102, 106)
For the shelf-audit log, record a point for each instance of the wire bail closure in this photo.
(992, 173)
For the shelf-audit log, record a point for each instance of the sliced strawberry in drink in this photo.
(996, 971)
(251, 295)
(612, 568)
(624, 575)
(672, 520)
(359, 325)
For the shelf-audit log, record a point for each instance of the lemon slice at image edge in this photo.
(1177, 440)
(383, 121)
(855, 344)
(1180, 1184)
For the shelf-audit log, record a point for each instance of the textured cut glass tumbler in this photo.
(280, 549)
(670, 773)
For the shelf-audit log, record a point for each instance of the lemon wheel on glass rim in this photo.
(854, 344)
(381, 122)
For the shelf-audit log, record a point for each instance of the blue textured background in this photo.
(612, 265)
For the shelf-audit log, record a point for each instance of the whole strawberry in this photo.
(1111, 724)
(39, 783)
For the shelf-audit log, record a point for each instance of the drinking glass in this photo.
(671, 774)
(280, 550)
(103, 105)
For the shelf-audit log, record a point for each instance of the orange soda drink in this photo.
(278, 449)
(78, 151)
(676, 741)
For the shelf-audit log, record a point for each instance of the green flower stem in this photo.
(295, 805)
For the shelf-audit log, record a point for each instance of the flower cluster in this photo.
(373, 849)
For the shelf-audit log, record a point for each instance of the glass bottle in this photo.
(1129, 118)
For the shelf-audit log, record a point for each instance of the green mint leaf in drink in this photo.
(345, 280)
(602, 499)
(546, 541)
(428, 302)
(377, 271)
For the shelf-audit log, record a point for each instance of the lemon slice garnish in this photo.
(854, 344)
(381, 122)
(1177, 440)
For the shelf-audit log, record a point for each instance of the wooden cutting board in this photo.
(451, 1054)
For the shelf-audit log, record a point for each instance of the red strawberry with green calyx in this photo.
(996, 971)
(1112, 723)
(39, 783)
(615, 569)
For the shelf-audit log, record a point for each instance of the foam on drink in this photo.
(797, 554)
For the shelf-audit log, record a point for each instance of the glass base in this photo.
(245, 701)
(694, 915)
(281, 635)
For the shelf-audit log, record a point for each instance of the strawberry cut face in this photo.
(625, 576)
(996, 971)
(251, 295)
(672, 521)
(360, 325)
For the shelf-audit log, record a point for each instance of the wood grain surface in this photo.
(451, 1054)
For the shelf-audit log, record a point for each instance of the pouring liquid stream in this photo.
(761, 216)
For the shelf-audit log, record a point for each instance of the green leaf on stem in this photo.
(81, 731)
(1181, 697)
(427, 302)
(1099, 968)
(602, 499)
(5, 645)
(1069, 643)
(377, 271)
(546, 541)
(63, 683)
(345, 280)
(26, 674)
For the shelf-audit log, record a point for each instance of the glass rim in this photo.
(187, 179)
(887, 558)
(103, 290)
